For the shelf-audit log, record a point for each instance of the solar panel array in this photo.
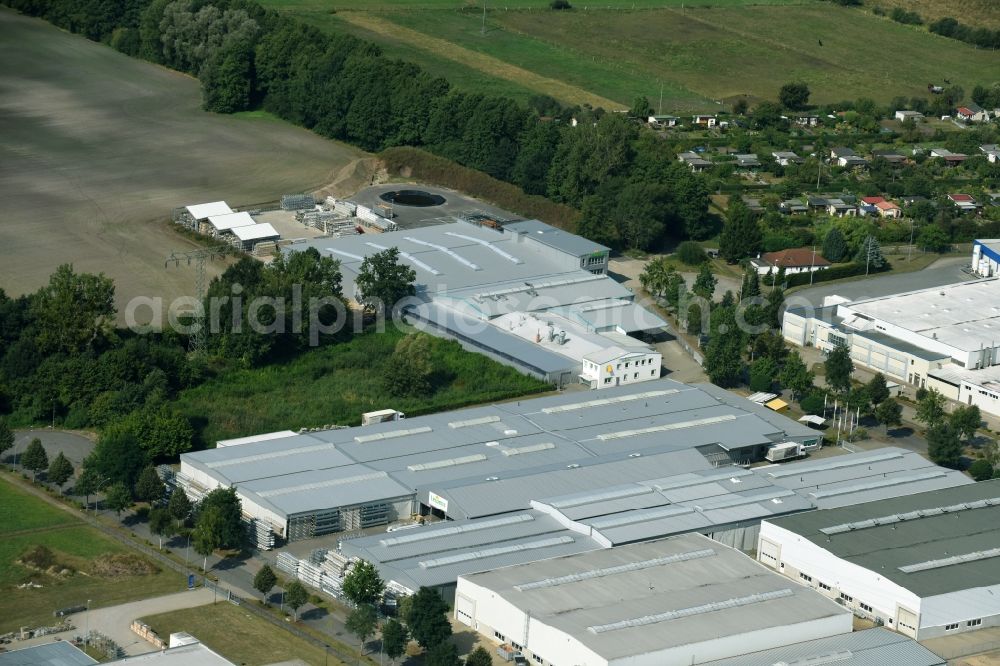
(688, 612)
(613, 571)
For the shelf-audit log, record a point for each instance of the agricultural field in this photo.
(239, 636)
(27, 523)
(697, 54)
(978, 13)
(97, 148)
(336, 384)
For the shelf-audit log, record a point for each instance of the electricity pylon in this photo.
(196, 341)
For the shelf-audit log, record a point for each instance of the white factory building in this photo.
(684, 600)
(528, 295)
(947, 337)
(925, 565)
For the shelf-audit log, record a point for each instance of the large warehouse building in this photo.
(925, 565)
(528, 295)
(309, 484)
(947, 337)
(684, 600)
(609, 504)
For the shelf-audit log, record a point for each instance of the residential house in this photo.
(705, 120)
(841, 151)
(784, 158)
(817, 203)
(867, 207)
(796, 260)
(890, 156)
(847, 158)
(913, 199)
(747, 161)
(972, 113)
(964, 202)
(903, 115)
(991, 150)
(694, 161)
(663, 121)
(889, 209)
(807, 121)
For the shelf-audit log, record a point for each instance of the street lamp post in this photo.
(86, 637)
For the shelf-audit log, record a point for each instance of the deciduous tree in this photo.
(878, 390)
(838, 368)
(296, 597)
(705, 283)
(35, 458)
(149, 487)
(362, 622)
(479, 657)
(60, 470)
(943, 445)
(794, 96)
(889, 413)
(394, 637)
(383, 281)
(118, 498)
(795, 375)
(161, 523)
(363, 585)
(6, 436)
(741, 236)
(930, 408)
(264, 581)
(966, 420)
(428, 618)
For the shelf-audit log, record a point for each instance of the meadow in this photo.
(27, 522)
(96, 149)
(239, 636)
(696, 54)
(336, 384)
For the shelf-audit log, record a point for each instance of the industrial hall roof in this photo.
(871, 647)
(610, 503)
(447, 452)
(931, 543)
(649, 597)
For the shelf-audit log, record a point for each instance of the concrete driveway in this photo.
(114, 621)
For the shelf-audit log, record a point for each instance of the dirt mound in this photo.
(122, 565)
(350, 178)
(38, 557)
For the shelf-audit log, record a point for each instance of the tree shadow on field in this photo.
(231, 562)
(314, 614)
(898, 433)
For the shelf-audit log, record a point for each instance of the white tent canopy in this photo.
(201, 211)
(255, 232)
(812, 420)
(230, 221)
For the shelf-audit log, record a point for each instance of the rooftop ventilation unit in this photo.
(468, 423)
(951, 561)
(435, 533)
(613, 571)
(835, 463)
(881, 483)
(533, 448)
(641, 516)
(493, 552)
(509, 257)
(608, 401)
(694, 423)
(602, 496)
(694, 610)
(450, 462)
(359, 478)
(451, 253)
(270, 456)
(391, 434)
(910, 515)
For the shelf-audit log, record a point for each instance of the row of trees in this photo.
(629, 187)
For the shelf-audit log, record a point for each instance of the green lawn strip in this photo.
(239, 635)
(19, 511)
(336, 384)
(75, 547)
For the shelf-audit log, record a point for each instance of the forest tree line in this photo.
(630, 189)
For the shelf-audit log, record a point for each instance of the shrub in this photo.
(38, 557)
(813, 404)
(981, 470)
(832, 273)
(691, 253)
(560, 4)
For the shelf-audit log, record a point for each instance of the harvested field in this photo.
(97, 148)
(978, 13)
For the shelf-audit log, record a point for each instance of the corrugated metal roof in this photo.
(872, 647)
(636, 609)
(557, 238)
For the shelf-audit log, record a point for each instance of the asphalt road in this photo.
(74, 446)
(943, 271)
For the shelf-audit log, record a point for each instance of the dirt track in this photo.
(96, 149)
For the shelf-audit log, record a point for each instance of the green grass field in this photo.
(75, 545)
(20, 511)
(239, 636)
(696, 52)
(336, 384)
